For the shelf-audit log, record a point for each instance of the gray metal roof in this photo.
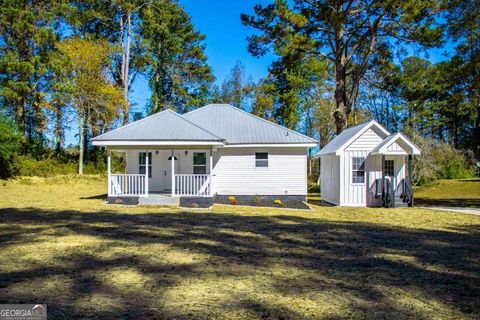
(239, 127)
(162, 126)
(342, 140)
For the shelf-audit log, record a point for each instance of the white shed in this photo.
(365, 165)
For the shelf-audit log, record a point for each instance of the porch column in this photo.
(173, 173)
(146, 174)
(109, 166)
(383, 178)
(410, 175)
(211, 171)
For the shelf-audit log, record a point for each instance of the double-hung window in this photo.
(199, 163)
(261, 159)
(142, 163)
(358, 170)
(389, 168)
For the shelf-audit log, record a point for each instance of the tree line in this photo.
(338, 63)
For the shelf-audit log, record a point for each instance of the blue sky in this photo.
(226, 43)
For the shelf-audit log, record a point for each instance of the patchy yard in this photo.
(61, 246)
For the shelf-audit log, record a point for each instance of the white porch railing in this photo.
(193, 185)
(127, 185)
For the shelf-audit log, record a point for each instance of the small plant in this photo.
(233, 200)
(256, 200)
(194, 205)
(279, 203)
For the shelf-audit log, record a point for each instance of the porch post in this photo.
(383, 179)
(146, 173)
(211, 171)
(173, 173)
(109, 159)
(410, 175)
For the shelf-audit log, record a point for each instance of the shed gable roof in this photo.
(162, 126)
(239, 127)
(347, 136)
(383, 148)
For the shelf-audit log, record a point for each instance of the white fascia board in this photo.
(399, 136)
(270, 145)
(156, 143)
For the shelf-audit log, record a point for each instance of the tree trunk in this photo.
(58, 130)
(342, 110)
(126, 69)
(81, 120)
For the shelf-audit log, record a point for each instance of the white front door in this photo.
(167, 170)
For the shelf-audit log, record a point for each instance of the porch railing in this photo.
(193, 185)
(129, 185)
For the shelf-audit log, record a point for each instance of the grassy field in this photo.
(461, 193)
(62, 246)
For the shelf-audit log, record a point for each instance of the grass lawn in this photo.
(458, 193)
(62, 246)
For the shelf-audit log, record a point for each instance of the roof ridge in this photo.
(134, 122)
(194, 124)
(255, 117)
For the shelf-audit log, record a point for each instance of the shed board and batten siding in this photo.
(235, 172)
(330, 181)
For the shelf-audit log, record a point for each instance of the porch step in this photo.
(399, 203)
(159, 200)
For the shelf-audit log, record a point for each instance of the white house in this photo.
(207, 155)
(365, 165)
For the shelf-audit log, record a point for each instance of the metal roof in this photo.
(347, 136)
(239, 127)
(163, 126)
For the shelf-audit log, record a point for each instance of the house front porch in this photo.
(162, 176)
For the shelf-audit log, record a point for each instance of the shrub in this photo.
(441, 161)
(233, 200)
(9, 146)
(279, 203)
(55, 166)
(256, 200)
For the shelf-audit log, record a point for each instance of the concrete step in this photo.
(159, 200)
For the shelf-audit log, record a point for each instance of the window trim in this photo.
(143, 165)
(199, 165)
(266, 160)
(358, 170)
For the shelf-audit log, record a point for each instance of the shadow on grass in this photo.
(450, 202)
(361, 266)
(96, 197)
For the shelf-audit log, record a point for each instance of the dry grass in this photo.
(458, 193)
(62, 246)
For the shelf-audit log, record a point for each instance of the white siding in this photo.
(161, 165)
(235, 172)
(330, 179)
(354, 194)
(366, 142)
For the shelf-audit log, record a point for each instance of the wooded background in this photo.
(338, 63)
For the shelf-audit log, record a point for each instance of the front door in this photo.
(167, 170)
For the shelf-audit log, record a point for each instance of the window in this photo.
(389, 171)
(141, 163)
(199, 163)
(358, 170)
(261, 159)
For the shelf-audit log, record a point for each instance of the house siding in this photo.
(235, 172)
(366, 142)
